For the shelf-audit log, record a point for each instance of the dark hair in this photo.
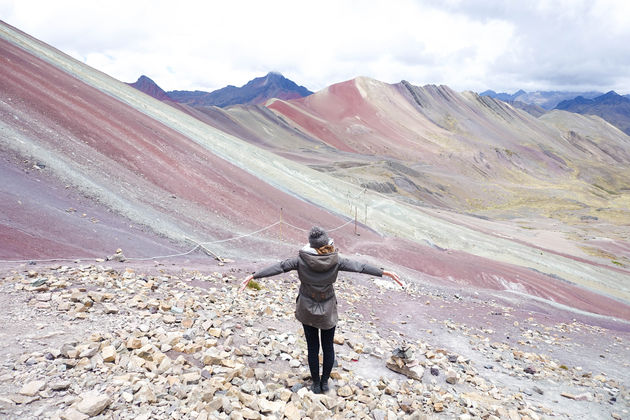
(318, 237)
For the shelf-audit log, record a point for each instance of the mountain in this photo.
(611, 106)
(544, 99)
(148, 86)
(256, 91)
(505, 97)
(454, 188)
(531, 109)
(508, 230)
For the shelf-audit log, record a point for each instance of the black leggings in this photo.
(312, 343)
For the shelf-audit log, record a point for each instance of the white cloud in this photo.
(503, 45)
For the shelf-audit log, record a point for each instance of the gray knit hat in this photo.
(318, 237)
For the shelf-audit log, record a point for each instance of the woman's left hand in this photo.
(394, 277)
(245, 283)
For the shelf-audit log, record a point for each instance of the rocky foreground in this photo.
(121, 342)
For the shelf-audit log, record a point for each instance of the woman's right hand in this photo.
(245, 283)
(393, 276)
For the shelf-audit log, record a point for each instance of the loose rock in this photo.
(93, 404)
(32, 388)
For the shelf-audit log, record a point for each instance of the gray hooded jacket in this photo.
(316, 304)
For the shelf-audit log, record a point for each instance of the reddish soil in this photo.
(160, 176)
(466, 271)
(159, 167)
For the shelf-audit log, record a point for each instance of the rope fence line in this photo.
(198, 245)
(327, 230)
(163, 256)
(242, 236)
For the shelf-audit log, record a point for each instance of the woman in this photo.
(316, 306)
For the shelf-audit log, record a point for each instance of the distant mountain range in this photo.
(612, 107)
(256, 91)
(544, 99)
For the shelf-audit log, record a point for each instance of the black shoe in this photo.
(316, 388)
(324, 387)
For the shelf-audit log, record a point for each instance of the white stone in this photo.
(250, 414)
(267, 406)
(291, 412)
(110, 308)
(73, 414)
(93, 404)
(451, 376)
(344, 391)
(145, 395)
(109, 354)
(32, 388)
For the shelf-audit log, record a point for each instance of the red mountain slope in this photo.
(126, 160)
(130, 160)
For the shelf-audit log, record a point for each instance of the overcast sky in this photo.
(502, 45)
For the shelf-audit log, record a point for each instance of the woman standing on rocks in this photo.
(318, 264)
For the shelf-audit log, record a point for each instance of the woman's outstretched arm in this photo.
(359, 267)
(272, 270)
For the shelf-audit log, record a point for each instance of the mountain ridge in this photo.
(148, 86)
(254, 92)
(203, 168)
(544, 99)
(517, 274)
(610, 106)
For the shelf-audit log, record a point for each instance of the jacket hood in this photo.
(318, 262)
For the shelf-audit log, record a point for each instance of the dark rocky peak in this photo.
(578, 100)
(501, 96)
(491, 93)
(145, 80)
(611, 106)
(609, 98)
(256, 91)
(545, 99)
(612, 97)
(148, 86)
(276, 80)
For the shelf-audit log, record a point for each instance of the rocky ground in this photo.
(120, 341)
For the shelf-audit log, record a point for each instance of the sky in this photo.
(503, 45)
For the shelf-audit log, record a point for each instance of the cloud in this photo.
(570, 44)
